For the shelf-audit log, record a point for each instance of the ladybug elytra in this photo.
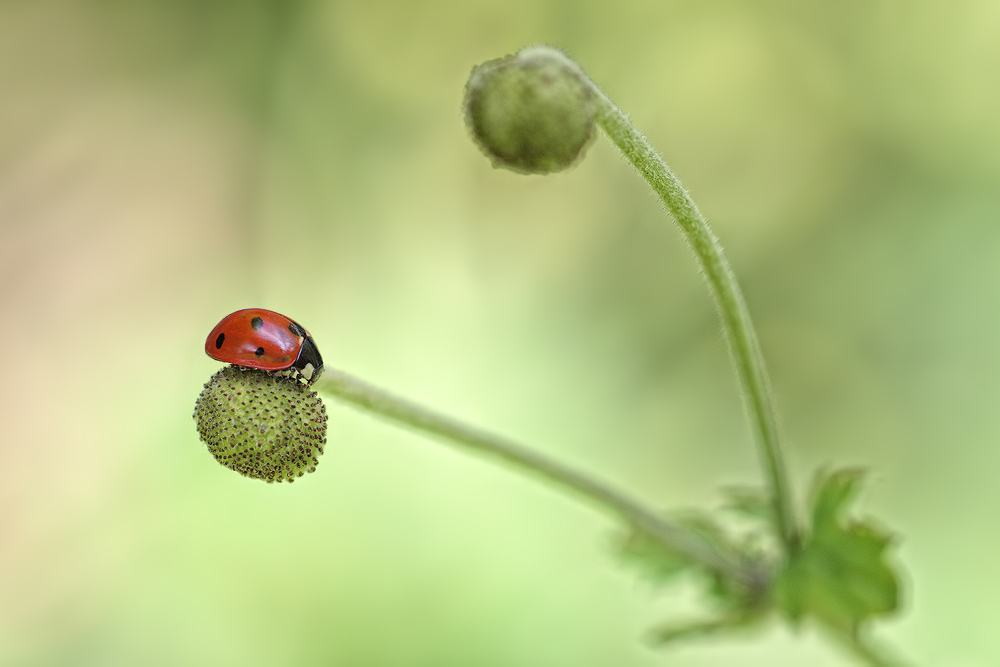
(266, 340)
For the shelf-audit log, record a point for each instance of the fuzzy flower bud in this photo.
(261, 425)
(532, 112)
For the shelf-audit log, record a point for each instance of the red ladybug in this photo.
(264, 339)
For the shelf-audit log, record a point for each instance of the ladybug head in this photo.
(309, 364)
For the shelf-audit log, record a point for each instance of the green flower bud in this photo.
(261, 425)
(532, 112)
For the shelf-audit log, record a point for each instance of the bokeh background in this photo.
(164, 162)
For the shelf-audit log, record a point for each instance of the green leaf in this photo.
(654, 560)
(832, 491)
(660, 564)
(751, 502)
(734, 605)
(840, 575)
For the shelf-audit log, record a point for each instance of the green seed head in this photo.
(261, 425)
(532, 112)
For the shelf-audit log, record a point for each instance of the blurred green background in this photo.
(163, 163)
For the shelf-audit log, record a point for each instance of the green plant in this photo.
(536, 112)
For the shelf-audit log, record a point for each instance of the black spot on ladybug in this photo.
(257, 323)
(220, 340)
(296, 329)
(259, 351)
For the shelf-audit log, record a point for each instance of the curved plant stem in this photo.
(676, 536)
(728, 298)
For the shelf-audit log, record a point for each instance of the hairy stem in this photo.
(675, 536)
(728, 298)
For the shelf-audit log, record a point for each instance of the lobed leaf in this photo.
(840, 575)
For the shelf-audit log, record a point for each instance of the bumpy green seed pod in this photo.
(261, 425)
(532, 112)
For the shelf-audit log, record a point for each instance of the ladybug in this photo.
(264, 339)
